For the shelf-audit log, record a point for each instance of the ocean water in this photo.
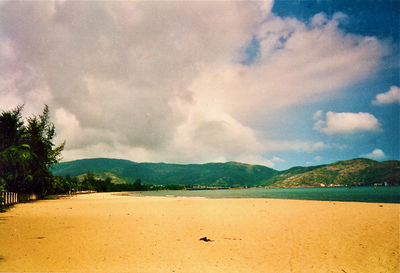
(390, 194)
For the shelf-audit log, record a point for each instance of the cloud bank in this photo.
(168, 81)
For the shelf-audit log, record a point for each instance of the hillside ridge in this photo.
(358, 171)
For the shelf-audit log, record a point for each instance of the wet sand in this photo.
(111, 233)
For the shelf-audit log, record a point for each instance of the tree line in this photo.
(89, 182)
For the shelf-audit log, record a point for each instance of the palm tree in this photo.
(15, 173)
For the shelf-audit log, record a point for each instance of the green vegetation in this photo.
(26, 152)
(288, 173)
(233, 174)
(230, 174)
(95, 182)
(91, 182)
(359, 172)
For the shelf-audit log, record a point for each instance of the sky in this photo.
(280, 84)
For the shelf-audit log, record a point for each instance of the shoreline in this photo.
(110, 232)
(386, 195)
(254, 198)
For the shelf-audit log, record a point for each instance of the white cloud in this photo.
(278, 159)
(296, 145)
(309, 148)
(375, 154)
(156, 81)
(318, 115)
(319, 19)
(391, 96)
(340, 146)
(297, 63)
(318, 158)
(347, 123)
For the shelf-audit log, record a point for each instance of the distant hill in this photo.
(228, 174)
(289, 173)
(231, 174)
(358, 171)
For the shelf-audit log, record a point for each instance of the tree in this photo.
(137, 185)
(15, 154)
(12, 130)
(72, 183)
(89, 182)
(15, 172)
(40, 139)
(27, 152)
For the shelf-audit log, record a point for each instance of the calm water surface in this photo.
(389, 194)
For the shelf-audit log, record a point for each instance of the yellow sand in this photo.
(110, 233)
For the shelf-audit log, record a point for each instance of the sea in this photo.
(381, 194)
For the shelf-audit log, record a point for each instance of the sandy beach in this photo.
(110, 233)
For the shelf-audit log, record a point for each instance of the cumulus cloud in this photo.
(165, 81)
(347, 123)
(297, 63)
(391, 96)
(375, 154)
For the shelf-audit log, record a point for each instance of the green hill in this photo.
(289, 173)
(350, 172)
(233, 174)
(216, 174)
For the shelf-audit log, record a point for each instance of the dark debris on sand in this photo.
(205, 239)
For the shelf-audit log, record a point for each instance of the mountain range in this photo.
(359, 171)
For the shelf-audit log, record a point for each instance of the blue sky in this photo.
(368, 18)
(278, 83)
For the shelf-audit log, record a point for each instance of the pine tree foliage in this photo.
(27, 151)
